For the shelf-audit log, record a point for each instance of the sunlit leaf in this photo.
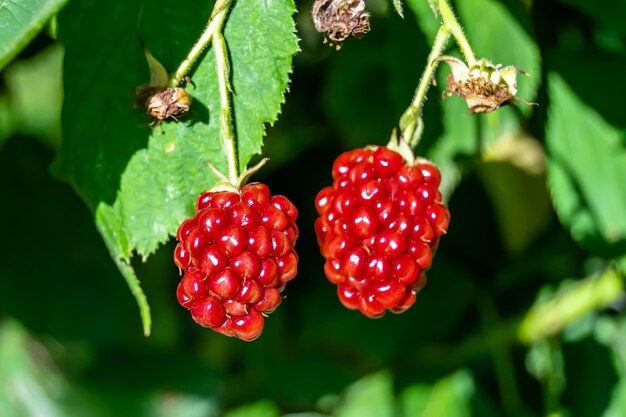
(143, 181)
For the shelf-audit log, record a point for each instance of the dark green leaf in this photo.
(586, 171)
(608, 12)
(427, 21)
(20, 21)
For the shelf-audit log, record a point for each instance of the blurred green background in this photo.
(523, 313)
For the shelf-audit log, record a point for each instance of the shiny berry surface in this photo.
(237, 254)
(378, 225)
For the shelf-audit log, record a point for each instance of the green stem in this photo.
(452, 25)
(216, 22)
(213, 33)
(550, 316)
(411, 120)
(229, 143)
(411, 125)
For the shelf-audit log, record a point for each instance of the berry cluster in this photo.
(379, 224)
(238, 254)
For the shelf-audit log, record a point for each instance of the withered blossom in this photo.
(340, 19)
(484, 86)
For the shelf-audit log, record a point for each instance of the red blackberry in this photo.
(379, 223)
(237, 253)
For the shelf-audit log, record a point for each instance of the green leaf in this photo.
(427, 21)
(608, 12)
(611, 332)
(397, 4)
(371, 396)
(260, 409)
(142, 182)
(31, 383)
(36, 95)
(572, 302)
(448, 397)
(7, 119)
(20, 21)
(586, 171)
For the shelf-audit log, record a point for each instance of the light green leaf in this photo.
(36, 95)
(260, 409)
(371, 396)
(142, 182)
(586, 171)
(20, 21)
(397, 4)
(448, 397)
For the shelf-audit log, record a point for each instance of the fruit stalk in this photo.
(411, 125)
(216, 22)
(227, 136)
(453, 27)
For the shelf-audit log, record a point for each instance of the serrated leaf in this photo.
(434, 6)
(397, 4)
(142, 182)
(586, 171)
(20, 21)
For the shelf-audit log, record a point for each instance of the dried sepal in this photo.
(340, 19)
(485, 87)
(159, 100)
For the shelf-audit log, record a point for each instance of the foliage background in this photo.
(536, 193)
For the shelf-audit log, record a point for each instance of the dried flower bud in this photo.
(161, 102)
(484, 86)
(340, 19)
(171, 102)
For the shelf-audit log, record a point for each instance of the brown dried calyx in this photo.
(172, 102)
(161, 101)
(340, 19)
(484, 86)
